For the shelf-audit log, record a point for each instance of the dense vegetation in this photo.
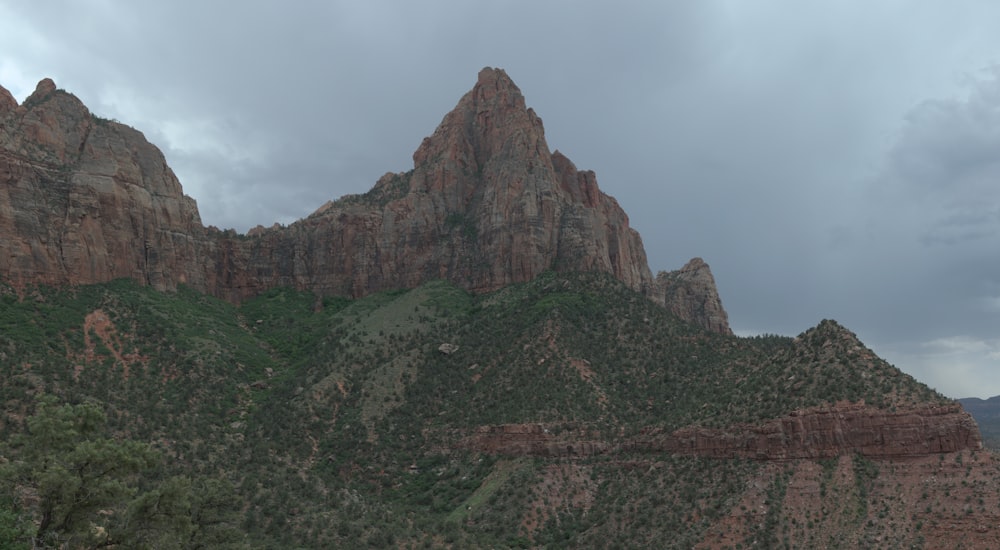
(294, 421)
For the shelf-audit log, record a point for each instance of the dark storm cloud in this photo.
(825, 159)
(943, 172)
(935, 205)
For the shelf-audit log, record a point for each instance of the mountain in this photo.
(87, 200)
(472, 354)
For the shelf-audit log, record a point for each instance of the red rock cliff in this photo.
(834, 430)
(690, 293)
(85, 200)
(821, 432)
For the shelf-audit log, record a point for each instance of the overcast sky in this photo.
(828, 159)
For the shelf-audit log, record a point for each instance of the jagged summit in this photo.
(488, 166)
(487, 204)
(483, 123)
(44, 87)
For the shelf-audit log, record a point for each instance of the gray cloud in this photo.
(829, 161)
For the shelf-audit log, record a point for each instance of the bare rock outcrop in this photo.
(821, 432)
(830, 431)
(86, 200)
(7, 101)
(691, 294)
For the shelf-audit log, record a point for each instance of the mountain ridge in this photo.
(486, 204)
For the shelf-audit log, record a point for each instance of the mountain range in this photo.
(473, 353)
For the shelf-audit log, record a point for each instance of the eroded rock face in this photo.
(85, 200)
(7, 101)
(691, 294)
(831, 431)
(823, 432)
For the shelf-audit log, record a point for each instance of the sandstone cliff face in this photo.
(85, 200)
(690, 293)
(7, 101)
(822, 432)
(831, 431)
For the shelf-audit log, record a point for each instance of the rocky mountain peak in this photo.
(830, 341)
(521, 210)
(496, 79)
(51, 125)
(829, 332)
(501, 122)
(44, 87)
(490, 123)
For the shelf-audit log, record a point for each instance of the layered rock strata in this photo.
(822, 432)
(831, 431)
(85, 200)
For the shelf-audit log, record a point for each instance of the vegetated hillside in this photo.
(987, 415)
(569, 411)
